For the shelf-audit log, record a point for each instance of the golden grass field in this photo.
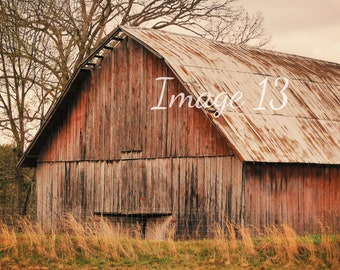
(99, 245)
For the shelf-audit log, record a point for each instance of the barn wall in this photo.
(196, 192)
(302, 196)
(111, 154)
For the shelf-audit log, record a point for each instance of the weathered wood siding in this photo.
(111, 153)
(196, 192)
(302, 196)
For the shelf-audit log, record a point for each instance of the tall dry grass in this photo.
(277, 246)
(99, 241)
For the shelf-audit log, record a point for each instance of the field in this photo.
(99, 245)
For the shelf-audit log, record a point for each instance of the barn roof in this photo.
(305, 130)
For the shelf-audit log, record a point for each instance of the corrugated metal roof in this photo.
(306, 130)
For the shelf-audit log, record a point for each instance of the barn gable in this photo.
(110, 116)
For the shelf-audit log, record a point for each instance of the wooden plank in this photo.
(84, 116)
(190, 131)
(99, 113)
(299, 179)
(106, 103)
(162, 199)
(72, 123)
(219, 191)
(212, 186)
(207, 190)
(60, 188)
(89, 127)
(150, 101)
(308, 198)
(200, 184)
(334, 197)
(294, 196)
(43, 196)
(123, 184)
(281, 174)
(48, 194)
(138, 186)
(191, 196)
(175, 182)
(113, 106)
(119, 187)
(79, 189)
(264, 196)
(182, 191)
(159, 116)
(82, 190)
(108, 189)
(54, 191)
(113, 186)
(143, 101)
(257, 198)
(237, 184)
(318, 201)
(167, 178)
(136, 80)
(128, 100)
(228, 189)
(142, 196)
(92, 186)
(39, 187)
(121, 88)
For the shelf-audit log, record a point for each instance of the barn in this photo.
(164, 129)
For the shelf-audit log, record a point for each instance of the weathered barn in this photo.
(167, 128)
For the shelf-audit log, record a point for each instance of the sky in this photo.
(302, 27)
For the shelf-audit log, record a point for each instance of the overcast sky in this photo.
(302, 27)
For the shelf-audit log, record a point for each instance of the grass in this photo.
(100, 245)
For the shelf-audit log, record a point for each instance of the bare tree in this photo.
(25, 82)
(24, 87)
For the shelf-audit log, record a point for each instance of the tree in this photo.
(13, 187)
(8, 190)
(24, 82)
(44, 40)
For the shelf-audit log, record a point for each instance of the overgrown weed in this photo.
(99, 243)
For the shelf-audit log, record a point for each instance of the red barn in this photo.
(161, 128)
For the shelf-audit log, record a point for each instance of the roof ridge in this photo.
(241, 46)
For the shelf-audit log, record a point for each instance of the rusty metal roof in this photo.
(305, 130)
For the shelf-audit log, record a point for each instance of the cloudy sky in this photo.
(308, 28)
